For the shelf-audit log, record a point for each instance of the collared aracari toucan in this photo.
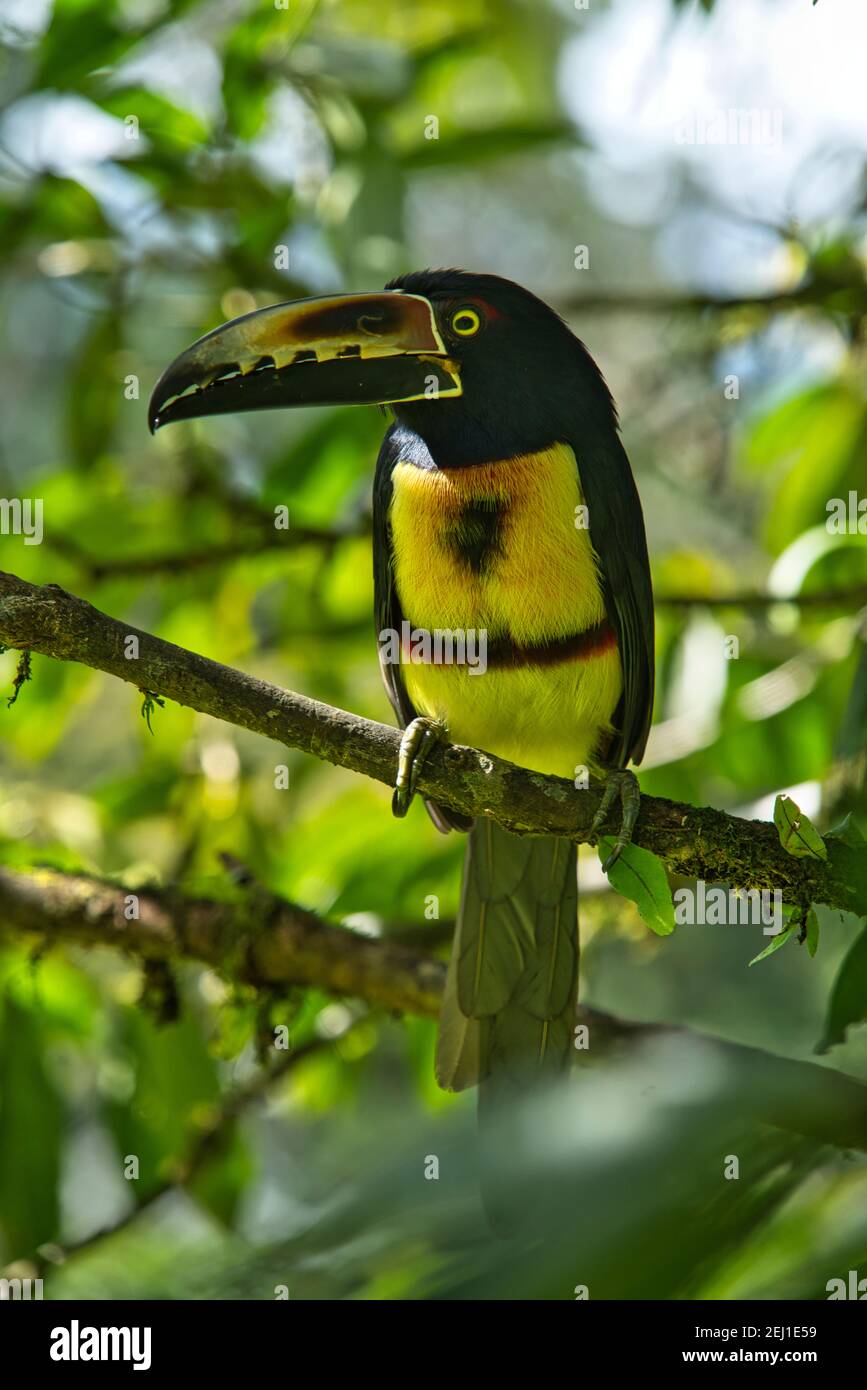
(504, 504)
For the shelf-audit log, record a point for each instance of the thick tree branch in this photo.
(258, 940)
(267, 942)
(695, 842)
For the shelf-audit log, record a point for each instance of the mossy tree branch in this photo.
(257, 939)
(269, 943)
(694, 842)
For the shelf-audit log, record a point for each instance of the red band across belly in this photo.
(504, 654)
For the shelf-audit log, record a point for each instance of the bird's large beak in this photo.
(361, 349)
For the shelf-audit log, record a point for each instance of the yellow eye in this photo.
(465, 322)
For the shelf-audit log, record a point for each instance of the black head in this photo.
(527, 381)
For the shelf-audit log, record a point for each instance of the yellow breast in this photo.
(504, 548)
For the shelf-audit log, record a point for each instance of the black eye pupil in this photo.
(465, 321)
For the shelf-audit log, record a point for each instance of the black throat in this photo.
(448, 434)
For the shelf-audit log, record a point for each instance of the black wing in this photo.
(388, 614)
(618, 538)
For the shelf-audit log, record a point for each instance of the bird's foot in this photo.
(622, 782)
(418, 739)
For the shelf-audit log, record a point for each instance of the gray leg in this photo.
(418, 739)
(622, 782)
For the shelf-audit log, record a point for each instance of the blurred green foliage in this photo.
(155, 156)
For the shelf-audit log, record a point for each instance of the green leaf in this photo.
(777, 942)
(640, 876)
(159, 120)
(847, 831)
(87, 35)
(31, 1131)
(850, 873)
(848, 1003)
(173, 1087)
(852, 735)
(220, 1181)
(807, 446)
(476, 147)
(797, 834)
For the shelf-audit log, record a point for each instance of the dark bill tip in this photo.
(341, 381)
(366, 349)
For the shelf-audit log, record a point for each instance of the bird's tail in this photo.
(508, 1014)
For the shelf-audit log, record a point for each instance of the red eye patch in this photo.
(490, 311)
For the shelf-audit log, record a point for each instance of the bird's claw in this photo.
(622, 782)
(419, 737)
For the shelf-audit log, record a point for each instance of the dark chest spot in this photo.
(474, 535)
